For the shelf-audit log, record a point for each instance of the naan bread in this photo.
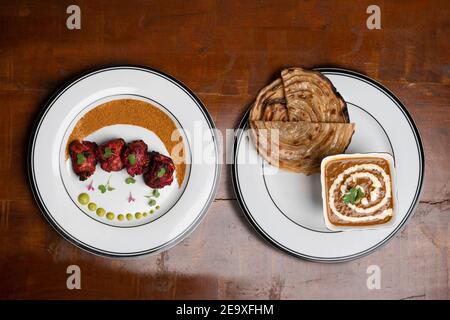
(310, 96)
(300, 146)
(270, 104)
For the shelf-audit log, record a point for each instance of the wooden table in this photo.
(224, 51)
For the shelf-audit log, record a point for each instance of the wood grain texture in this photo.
(224, 51)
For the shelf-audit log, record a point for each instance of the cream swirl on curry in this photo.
(358, 190)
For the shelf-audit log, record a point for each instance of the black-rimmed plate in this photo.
(131, 224)
(286, 208)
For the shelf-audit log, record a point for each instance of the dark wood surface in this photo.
(224, 51)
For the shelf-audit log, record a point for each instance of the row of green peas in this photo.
(84, 199)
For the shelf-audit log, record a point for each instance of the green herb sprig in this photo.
(353, 196)
(161, 172)
(106, 187)
(80, 158)
(132, 159)
(107, 153)
(130, 180)
(152, 201)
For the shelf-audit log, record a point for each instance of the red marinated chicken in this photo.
(160, 171)
(83, 158)
(108, 155)
(135, 157)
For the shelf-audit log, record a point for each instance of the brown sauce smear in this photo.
(131, 112)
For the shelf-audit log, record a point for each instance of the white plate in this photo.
(56, 187)
(286, 208)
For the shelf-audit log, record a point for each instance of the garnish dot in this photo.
(83, 199)
(101, 212)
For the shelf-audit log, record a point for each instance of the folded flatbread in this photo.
(310, 96)
(270, 104)
(299, 119)
(300, 146)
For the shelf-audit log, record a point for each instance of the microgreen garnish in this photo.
(155, 194)
(106, 187)
(161, 172)
(107, 153)
(102, 188)
(353, 196)
(130, 198)
(90, 185)
(130, 180)
(80, 158)
(132, 159)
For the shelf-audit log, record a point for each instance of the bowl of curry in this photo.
(358, 191)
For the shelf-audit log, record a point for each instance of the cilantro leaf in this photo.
(353, 196)
(80, 158)
(132, 159)
(161, 172)
(130, 180)
(107, 153)
(155, 193)
(102, 188)
(360, 195)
